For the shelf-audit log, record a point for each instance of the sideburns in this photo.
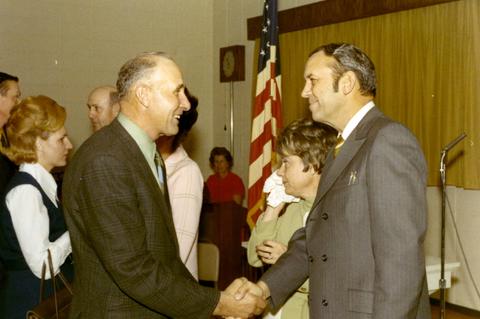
(337, 72)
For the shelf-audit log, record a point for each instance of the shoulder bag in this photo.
(57, 305)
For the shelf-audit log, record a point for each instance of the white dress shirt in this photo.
(31, 222)
(185, 189)
(352, 124)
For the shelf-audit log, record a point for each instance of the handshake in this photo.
(242, 299)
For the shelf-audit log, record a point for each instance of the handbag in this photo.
(57, 305)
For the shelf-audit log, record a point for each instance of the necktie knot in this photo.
(338, 145)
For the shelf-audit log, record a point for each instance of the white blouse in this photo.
(31, 222)
(185, 189)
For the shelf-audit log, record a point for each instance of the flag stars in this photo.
(262, 52)
(264, 29)
(268, 22)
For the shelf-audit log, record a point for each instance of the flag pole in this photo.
(232, 103)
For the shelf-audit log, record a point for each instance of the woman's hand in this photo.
(270, 250)
(237, 198)
(276, 191)
(272, 213)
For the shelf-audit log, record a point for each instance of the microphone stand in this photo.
(443, 178)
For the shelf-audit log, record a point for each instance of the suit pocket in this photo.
(360, 301)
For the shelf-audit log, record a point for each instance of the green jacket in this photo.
(281, 230)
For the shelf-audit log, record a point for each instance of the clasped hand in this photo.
(242, 299)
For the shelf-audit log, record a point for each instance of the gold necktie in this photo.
(338, 146)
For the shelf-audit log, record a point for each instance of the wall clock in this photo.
(232, 63)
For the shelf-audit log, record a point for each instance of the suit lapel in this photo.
(335, 166)
(135, 155)
(165, 185)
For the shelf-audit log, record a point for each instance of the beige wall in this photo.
(64, 48)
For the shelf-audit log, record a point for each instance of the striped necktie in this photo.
(160, 171)
(338, 145)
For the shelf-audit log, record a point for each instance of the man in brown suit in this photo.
(127, 262)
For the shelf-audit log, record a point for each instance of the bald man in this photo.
(102, 106)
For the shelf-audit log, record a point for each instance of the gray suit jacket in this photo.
(362, 246)
(125, 249)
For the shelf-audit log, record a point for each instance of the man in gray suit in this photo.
(362, 246)
(127, 262)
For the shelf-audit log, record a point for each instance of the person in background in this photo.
(9, 96)
(303, 146)
(224, 186)
(31, 219)
(185, 186)
(102, 106)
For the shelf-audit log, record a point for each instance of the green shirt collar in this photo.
(146, 145)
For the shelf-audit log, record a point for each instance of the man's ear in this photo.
(142, 94)
(347, 82)
(116, 108)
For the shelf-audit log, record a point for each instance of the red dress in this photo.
(221, 190)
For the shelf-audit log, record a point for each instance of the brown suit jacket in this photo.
(125, 249)
(362, 246)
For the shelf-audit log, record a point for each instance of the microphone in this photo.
(443, 178)
(454, 142)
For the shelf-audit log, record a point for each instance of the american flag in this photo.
(267, 114)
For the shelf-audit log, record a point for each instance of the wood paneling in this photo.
(335, 11)
(223, 224)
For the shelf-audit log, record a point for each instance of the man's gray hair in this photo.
(135, 69)
(350, 58)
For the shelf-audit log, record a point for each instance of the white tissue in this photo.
(274, 186)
